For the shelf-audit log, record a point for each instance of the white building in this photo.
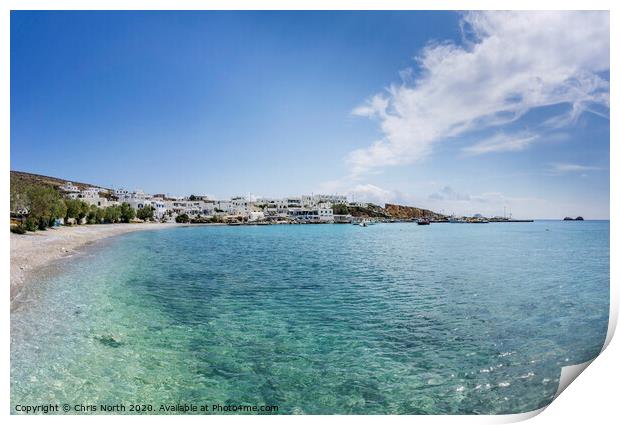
(191, 208)
(69, 187)
(314, 200)
(256, 216)
(312, 215)
(358, 204)
(307, 208)
(159, 208)
(121, 194)
(90, 195)
(137, 199)
(273, 207)
(90, 192)
(99, 201)
(240, 206)
(70, 190)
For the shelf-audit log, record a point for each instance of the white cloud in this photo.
(452, 197)
(366, 192)
(509, 64)
(562, 168)
(449, 200)
(449, 194)
(376, 106)
(502, 142)
(374, 194)
(490, 204)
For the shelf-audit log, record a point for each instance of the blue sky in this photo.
(457, 112)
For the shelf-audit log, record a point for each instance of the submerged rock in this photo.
(109, 341)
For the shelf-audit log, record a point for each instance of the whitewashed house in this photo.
(315, 200)
(256, 216)
(321, 214)
(121, 194)
(159, 208)
(70, 190)
(137, 199)
(91, 195)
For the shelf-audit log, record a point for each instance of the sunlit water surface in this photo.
(392, 318)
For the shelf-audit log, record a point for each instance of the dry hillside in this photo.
(403, 212)
(20, 177)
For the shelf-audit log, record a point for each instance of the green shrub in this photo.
(19, 229)
(340, 209)
(31, 224)
(84, 210)
(42, 202)
(145, 213)
(127, 213)
(100, 215)
(182, 218)
(91, 217)
(112, 214)
(43, 223)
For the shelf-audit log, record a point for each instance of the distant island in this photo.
(578, 218)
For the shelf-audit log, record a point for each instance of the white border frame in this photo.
(595, 390)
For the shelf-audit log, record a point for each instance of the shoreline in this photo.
(33, 252)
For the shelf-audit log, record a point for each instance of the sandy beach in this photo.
(33, 251)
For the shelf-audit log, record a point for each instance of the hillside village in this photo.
(140, 206)
(311, 208)
(315, 208)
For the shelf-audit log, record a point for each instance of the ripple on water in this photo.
(318, 319)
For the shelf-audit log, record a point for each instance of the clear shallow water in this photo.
(392, 318)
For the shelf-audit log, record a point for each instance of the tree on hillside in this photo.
(100, 215)
(43, 204)
(59, 210)
(83, 211)
(112, 214)
(19, 201)
(77, 209)
(41, 200)
(145, 213)
(38, 205)
(127, 213)
(74, 207)
(91, 217)
(340, 209)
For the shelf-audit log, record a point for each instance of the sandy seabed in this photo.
(34, 251)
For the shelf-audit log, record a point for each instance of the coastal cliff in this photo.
(390, 211)
(403, 212)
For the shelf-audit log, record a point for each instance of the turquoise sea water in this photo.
(392, 318)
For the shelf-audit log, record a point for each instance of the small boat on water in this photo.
(423, 222)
